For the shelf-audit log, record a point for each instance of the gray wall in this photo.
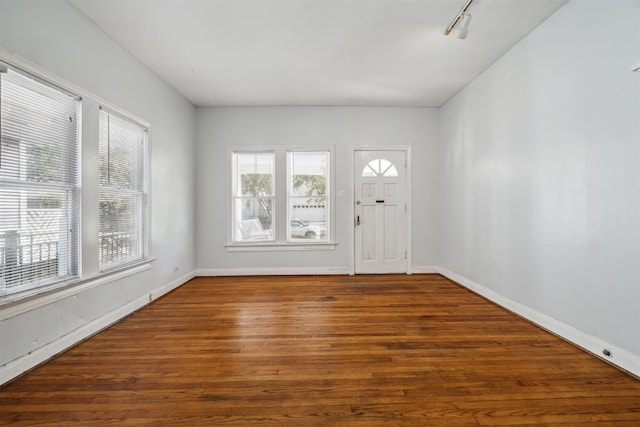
(53, 35)
(343, 127)
(540, 173)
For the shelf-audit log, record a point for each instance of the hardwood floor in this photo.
(323, 350)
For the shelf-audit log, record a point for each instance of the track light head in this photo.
(463, 26)
(461, 22)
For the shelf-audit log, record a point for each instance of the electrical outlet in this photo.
(176, 269)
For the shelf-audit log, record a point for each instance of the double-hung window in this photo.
(122, 191)
(307, 201)
(280, 197)
(253, 196)
(48, 217)
(39, 182)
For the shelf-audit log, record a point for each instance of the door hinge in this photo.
(405, 254)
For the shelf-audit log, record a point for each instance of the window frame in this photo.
(280, 242)
(142, 193)
(88, 274)
(236, 196)
(289, 196)
(69, 233)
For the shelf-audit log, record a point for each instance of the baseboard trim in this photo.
(273, 271)
(620, 358)
(421, 269)
(29, 361)
(296, 271)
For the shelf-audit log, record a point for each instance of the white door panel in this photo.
(368, 226)
(390, 239)
(380, 209)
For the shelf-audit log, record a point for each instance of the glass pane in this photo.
(307, 201)
(120, 227)
(391, 171)
(308, 218)
(368, 172)
(39, 131)
(379, 167)
(254, 174)
(253, 219)
(375, 166)
(35, 242)
(308, 173)
(121, 153)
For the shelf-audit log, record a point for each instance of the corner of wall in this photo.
(618, 357)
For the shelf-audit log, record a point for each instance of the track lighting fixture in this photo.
(461, 22)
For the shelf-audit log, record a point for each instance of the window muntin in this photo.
(122, 191)
(253, 196)
(377, 167)
(39, 182)
(307, 201)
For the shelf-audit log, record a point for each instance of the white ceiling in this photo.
(315, 52)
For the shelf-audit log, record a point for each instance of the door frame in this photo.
(352, 200)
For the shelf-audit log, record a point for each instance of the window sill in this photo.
(16, 303)
(275, 246)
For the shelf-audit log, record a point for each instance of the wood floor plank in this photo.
(390, 350)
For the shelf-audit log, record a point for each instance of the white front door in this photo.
(380, 212)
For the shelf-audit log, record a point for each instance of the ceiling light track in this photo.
(461, 20)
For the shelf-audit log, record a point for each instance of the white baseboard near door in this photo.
(21, 365)
(420, 269)
(295, 271)
(273, 271)
(619, 357)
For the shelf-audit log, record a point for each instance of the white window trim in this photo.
(233, 197)
(89, 274)
(280, 242)
(144, 193)
(293, 246)
(327, 196)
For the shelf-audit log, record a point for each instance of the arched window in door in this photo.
(378, 167)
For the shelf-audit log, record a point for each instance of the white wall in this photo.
(59, 40)
(540, 178)
(344, 127)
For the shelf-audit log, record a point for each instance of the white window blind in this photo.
(122, 191)
(39, 182)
